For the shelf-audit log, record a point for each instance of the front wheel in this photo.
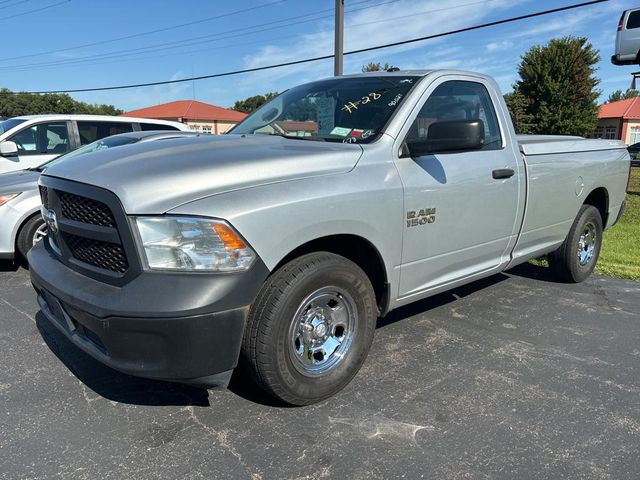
(310, 328)
(32, 232)
(577, 256)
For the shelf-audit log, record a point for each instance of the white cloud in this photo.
(390, 23)
(495, 51)
(134, 98)
(499, 46)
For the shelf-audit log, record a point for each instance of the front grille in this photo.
(93, 236)
(105, 255)
(44, 196)
(85, 210)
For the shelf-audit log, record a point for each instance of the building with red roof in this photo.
(620, 121)
(200, 116)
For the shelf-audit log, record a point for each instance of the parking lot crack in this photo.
(18, 310)
(222, 437)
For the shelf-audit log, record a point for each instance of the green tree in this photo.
(558, 85)
(376, 67)
(13, 104)
(251, 104)
(620, 95)
(518, 105)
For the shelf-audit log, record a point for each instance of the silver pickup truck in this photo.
(279, 245)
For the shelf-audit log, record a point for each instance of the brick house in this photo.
(202, 117)
(619, 121)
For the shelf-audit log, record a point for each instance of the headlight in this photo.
(193, 243)
(5, 197)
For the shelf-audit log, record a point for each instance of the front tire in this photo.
(32, 232)
(576, 258)
(310, 328)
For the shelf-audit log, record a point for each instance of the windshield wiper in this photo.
(293, 137)
(296, 137)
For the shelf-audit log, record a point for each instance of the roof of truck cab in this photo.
(415, 73)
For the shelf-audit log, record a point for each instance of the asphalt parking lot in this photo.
(512, 377)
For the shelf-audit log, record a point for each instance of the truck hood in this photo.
(155, 177)
(19, 181)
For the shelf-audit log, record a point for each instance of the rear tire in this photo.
(29, 232)
(576, 258)
(310, 328)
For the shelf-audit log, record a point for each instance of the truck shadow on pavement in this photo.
(112, 384)
(534, 272)
(123, 388)
(8, 266)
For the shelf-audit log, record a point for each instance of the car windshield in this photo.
(102, 144)
(352, 110)
(6, 125)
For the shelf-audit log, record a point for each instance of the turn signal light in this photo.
(228, 237)
(6, 197)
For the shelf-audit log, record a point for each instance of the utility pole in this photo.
(634, 76)
(337, 58)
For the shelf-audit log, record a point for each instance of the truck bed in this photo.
(554, 144)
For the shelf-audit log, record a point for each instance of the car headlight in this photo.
(193, 243)
(5, 197)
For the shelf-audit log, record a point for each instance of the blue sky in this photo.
(45, 42)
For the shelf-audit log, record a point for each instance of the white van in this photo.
(628, 39)
(30, 141)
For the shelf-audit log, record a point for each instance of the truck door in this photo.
(461, 207)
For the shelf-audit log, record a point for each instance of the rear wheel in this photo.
(32, 232)
(577, 256)
(310, 328)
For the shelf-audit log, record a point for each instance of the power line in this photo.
(35, 10)
(172, 27)
(19, 2)
(197, 40)
(141, 34)
(96, 59)
(325, 57)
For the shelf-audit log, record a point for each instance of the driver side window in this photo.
(458, 100)
(26, 141)
(42, 139)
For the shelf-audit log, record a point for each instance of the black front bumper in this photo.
(167, 326)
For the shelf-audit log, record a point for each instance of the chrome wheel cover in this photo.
(322, 331)
(587, 244)
(40, 233)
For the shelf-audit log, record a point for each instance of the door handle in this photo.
(502, 173)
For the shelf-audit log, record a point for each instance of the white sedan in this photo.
(21, 224)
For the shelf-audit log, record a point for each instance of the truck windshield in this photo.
(351, 110)
(8, 124)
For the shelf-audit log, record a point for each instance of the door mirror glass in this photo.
(449, 136)
(458, 115)
(8, 149)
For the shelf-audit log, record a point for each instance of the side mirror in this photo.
(8, 149)
(449, 136)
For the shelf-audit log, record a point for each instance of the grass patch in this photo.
(619, 256)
